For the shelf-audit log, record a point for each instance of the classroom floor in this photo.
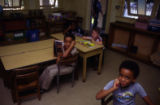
(84, 93)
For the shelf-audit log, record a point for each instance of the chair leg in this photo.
(73, 78)
(58, 78)
(18, 99)
(39, 94)
(58, 83)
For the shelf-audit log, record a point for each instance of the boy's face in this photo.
(94, 34)
(67, 42)
(126, 77)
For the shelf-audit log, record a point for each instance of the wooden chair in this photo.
(26, 83)
(105, 101)
(67, 61)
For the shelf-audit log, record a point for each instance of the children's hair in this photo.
(96, 29)
(130, 65)
(69, 35)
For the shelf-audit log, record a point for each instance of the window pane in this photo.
(16, 3)
(141, 7)
(44, 2)
(133, 7)
(149, 7)
(41, 2)
(48, 3)
(125, 14)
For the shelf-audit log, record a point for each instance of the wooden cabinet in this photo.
(11, 26)
(134, 42)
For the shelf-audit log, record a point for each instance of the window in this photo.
(135, 8)
(12, 4)
(48, 3)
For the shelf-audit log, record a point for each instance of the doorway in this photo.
(98, 14)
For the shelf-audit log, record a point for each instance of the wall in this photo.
(81, 7)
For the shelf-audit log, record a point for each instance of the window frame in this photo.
(13, 7)
(129, 9)
(49, 6)
(153, 14)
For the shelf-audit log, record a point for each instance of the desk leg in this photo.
(84, 68)
(100, 62)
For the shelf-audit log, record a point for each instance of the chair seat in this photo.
(66, 70)
(27, 86)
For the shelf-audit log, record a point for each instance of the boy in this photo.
(51, 71)
(95, 38)
(124, 88)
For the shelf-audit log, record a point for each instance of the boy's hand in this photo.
(116, 84)
(73, 43)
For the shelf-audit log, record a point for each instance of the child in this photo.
(32, 34)
(124, 88)
(50, 72)
(95, 38)
(74, 29)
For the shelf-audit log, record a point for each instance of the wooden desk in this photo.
(32, 53)
(28, 58)
(26, 47)
(85, 53)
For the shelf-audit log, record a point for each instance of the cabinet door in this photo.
(144, 44)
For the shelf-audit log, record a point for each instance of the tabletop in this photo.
(79, 46)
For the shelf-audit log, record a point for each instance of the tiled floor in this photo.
(84, 93)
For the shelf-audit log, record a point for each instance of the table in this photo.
(26, 47)
(85, 53)
(35, 54)
(27, 59)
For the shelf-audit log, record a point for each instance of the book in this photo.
(58, 48)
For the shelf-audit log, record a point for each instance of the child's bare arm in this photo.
(102, 93)
(147, 100)
(86, 38)
(100, 42)
(66, 53)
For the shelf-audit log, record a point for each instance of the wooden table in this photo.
(85, 53)
(29, 56)
(26, 47)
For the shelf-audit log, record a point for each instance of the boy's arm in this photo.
(147, 100)
(66, 53)
(101, 94)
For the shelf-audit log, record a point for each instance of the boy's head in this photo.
(128, 72)
(95, 33)
(68, 38)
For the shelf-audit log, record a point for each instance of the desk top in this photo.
(26, 47)
(27, 58)
(79, 46)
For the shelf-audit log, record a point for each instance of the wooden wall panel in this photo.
(121, 37)
(144, 44)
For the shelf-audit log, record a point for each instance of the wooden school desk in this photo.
(85, 53)
(26, 47)
(29, 56)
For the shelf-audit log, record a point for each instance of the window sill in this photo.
(125, 19)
